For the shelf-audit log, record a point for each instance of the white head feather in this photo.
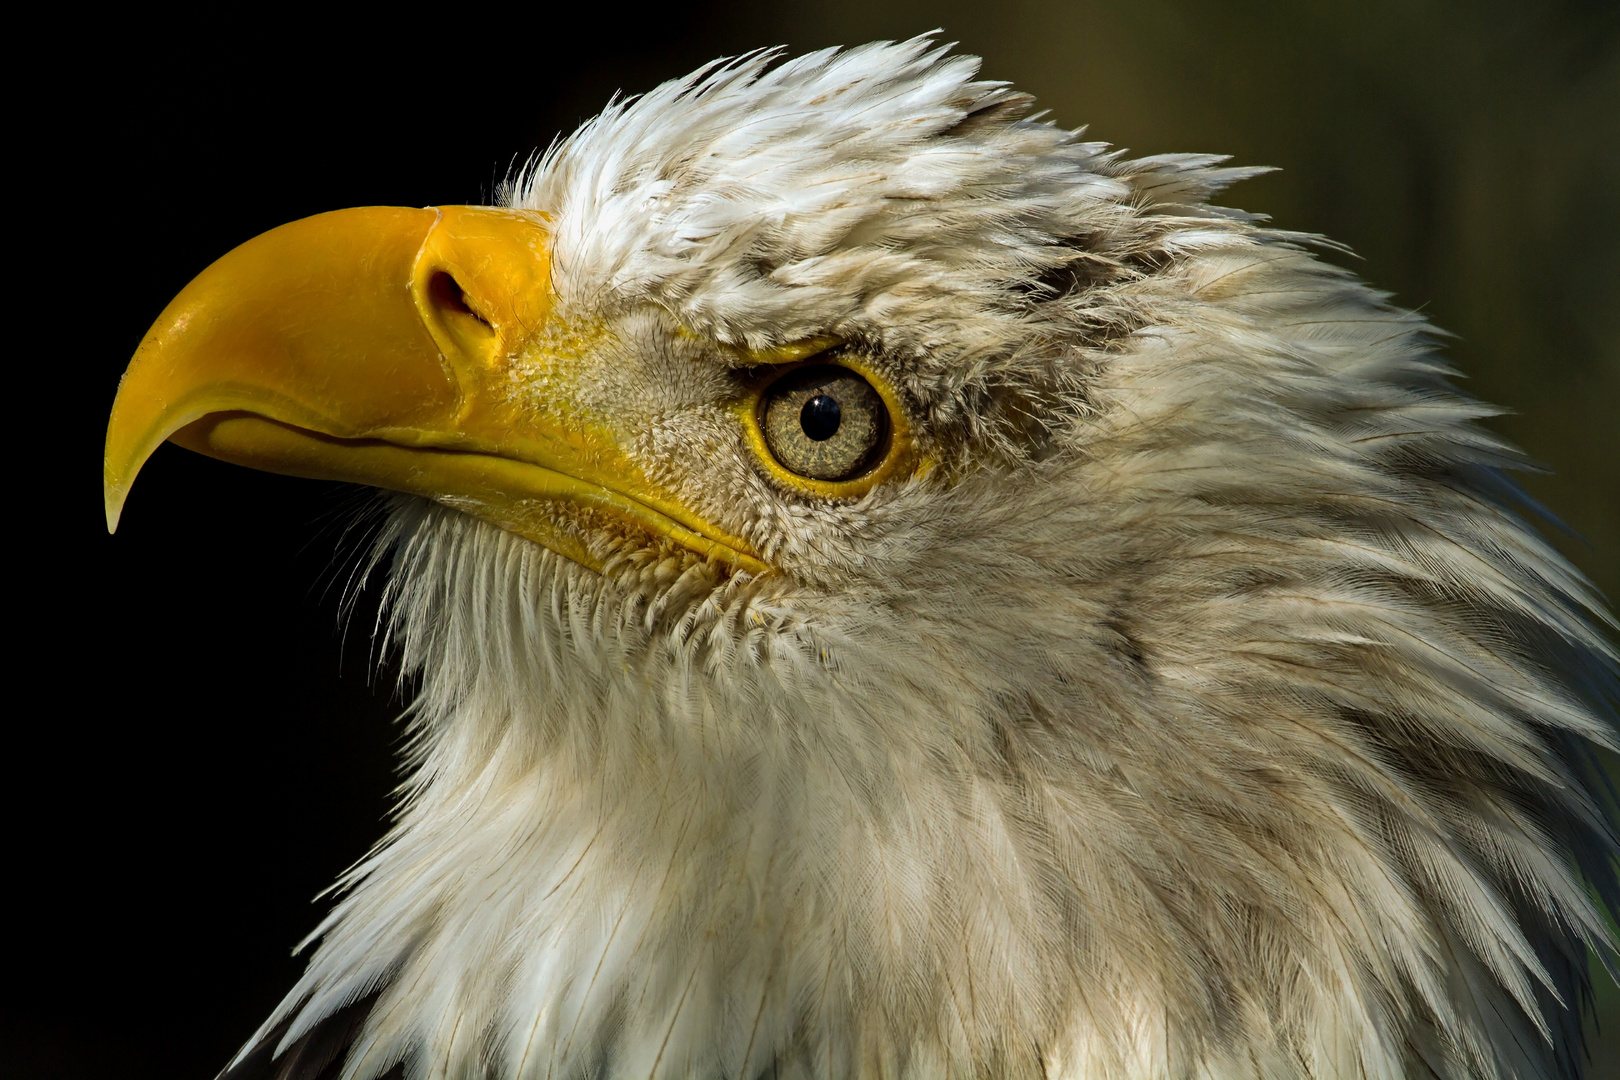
(1209, 711)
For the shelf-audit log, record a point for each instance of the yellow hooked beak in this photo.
(375, 346)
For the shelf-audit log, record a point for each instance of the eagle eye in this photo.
(824, 422)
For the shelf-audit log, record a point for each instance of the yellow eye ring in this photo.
(890, 455)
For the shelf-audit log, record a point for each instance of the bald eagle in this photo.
(901, 590)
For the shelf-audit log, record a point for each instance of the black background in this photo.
(195, 747)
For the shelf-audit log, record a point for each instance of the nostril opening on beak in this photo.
(448, 295)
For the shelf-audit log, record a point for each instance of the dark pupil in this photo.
(820, 418)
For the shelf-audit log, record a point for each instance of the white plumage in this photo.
(1203, 708)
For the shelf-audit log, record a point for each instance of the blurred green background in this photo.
(1468, 152)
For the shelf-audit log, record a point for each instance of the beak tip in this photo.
(113, 494)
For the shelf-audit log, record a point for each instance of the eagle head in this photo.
(898, 589)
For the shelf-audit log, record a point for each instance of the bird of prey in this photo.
(901, 590)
